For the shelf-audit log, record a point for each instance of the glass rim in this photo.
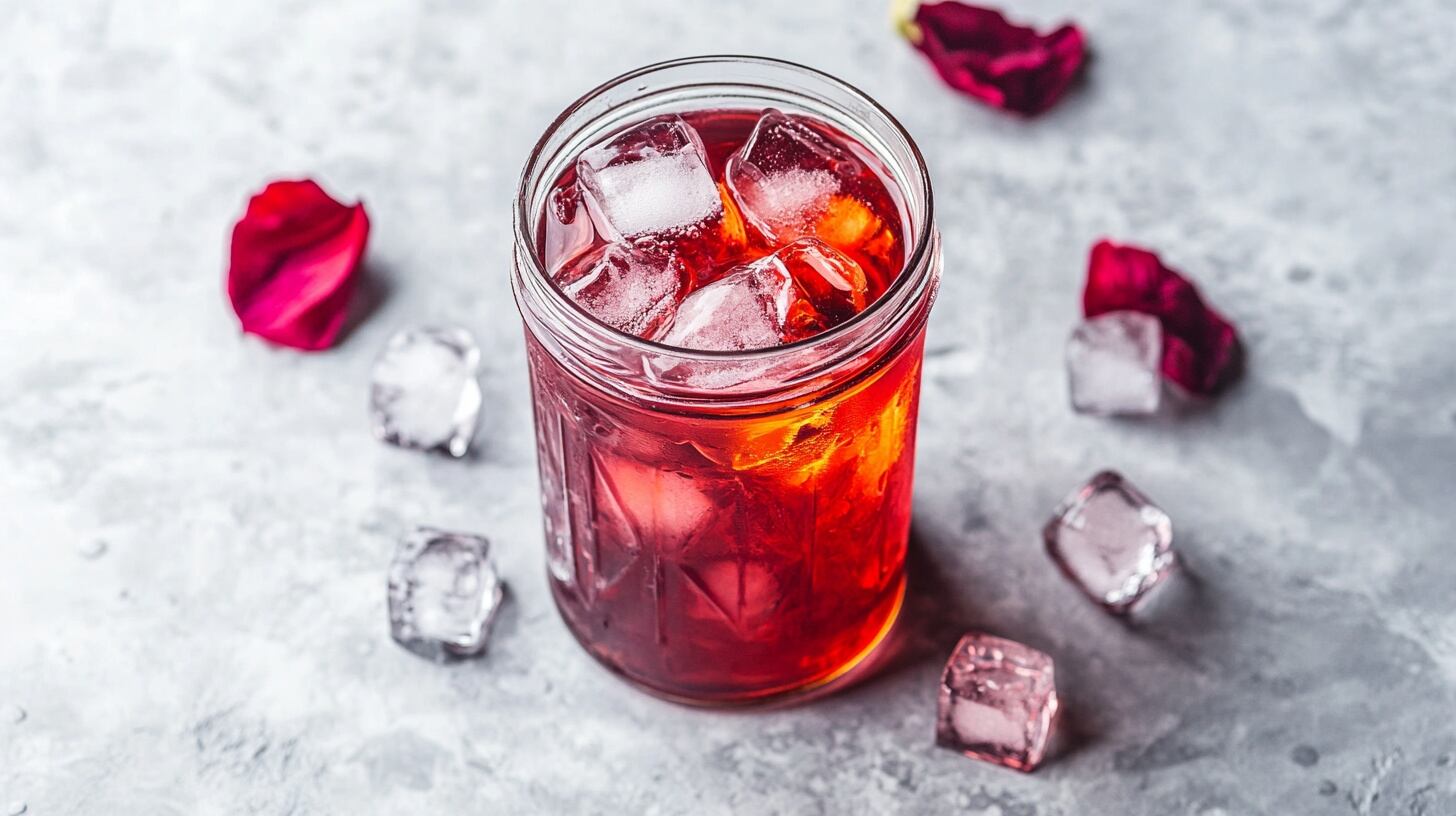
(919, 254)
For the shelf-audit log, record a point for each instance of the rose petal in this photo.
(1200, 347)
(982, 54)
(294, 261)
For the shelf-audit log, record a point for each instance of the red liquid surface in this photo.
(725, 558)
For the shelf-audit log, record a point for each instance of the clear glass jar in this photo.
(727, 527)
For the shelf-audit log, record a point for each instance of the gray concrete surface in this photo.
(194, 528)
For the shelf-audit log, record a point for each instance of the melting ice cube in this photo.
(832, 288)
(998, 700)
(1112, 541)
(652, 179)
(746, 309)
(424, 393)
(786, 175)
(796, 292)
(443, 593)
(569, 231)
(1112, 364)
(626, 288)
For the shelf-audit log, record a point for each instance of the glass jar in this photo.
(727, 527)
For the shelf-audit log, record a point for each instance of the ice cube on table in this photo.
(650, 180)
(998, 702)
(626, 288)
(1111, 541)
(790, 180)
(746, 309)
(424, 393)
(443, 593)
(1113, 364)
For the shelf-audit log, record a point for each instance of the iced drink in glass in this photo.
(725, 266)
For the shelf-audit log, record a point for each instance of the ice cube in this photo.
(748, 308)
(791, 180)
(998, 701)
(1113, 362)
(832, 288)
(1111, 541)
(443, 593)
(652, 179)
(796, 292)
(626, 288)
(424, 393)
(569, 231)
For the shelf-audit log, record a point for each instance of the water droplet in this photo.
(92, 549)
(16, 808)
(12, 714)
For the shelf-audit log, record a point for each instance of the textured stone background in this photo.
(226, 652)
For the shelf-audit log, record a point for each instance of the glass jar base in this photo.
(858, 667)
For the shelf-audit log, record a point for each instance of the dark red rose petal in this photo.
(294, 261)
(980, 53)
(1200, 348)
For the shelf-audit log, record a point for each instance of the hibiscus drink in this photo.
(710, 556)
(725, 331)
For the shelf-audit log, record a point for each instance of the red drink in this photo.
(732, 558)
(727, 523)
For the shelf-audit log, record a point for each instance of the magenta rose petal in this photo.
(1201, 350)
(980, 53)
(293, 264)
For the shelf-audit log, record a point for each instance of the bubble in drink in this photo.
(626, 288)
